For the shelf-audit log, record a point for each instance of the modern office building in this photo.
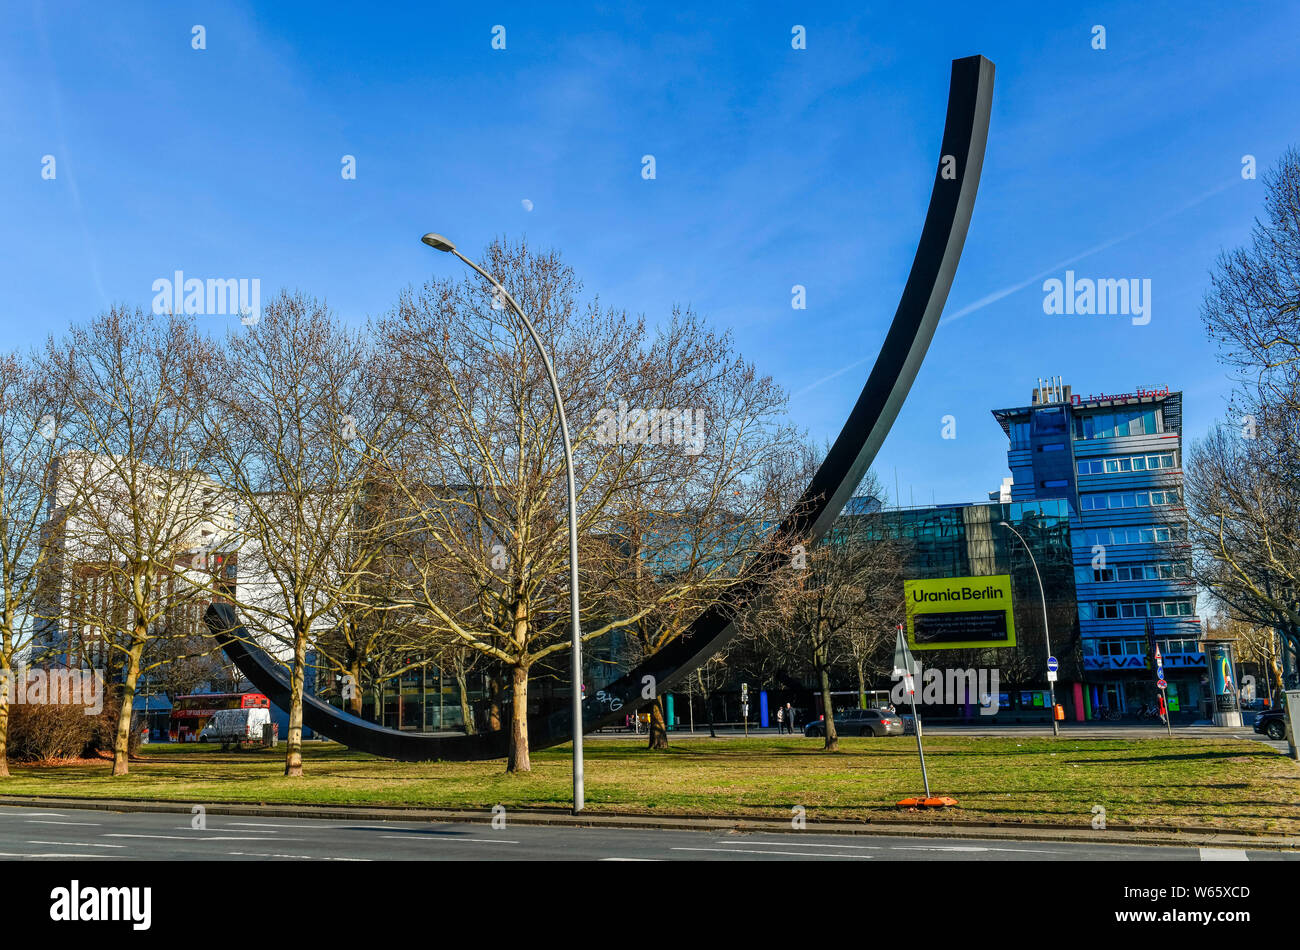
(1116, 461)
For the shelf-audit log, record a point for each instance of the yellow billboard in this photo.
(957, 613)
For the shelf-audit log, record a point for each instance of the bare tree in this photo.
(126, 498)
(30, 439)
(1243, 498)
(484, 472)
(298, 411)
(688, 523)
(1244, 521)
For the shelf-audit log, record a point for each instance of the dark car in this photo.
(859, 722)
(1271, 723)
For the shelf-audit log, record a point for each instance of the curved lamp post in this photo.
(440, 243)
(1047, 636)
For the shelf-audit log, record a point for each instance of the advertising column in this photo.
(1223, 680)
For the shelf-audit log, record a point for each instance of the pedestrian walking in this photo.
(780, 721)
(789, 718)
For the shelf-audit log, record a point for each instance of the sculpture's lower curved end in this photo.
(952, 200)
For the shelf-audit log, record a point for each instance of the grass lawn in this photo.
(1202, 784)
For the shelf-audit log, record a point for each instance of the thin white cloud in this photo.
(1021, 285)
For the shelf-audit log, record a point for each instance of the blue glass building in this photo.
(1117, 462)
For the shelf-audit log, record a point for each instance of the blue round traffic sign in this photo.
(1052, 664)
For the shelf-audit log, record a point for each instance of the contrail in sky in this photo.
(1021, 285)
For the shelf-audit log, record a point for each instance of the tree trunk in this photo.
(4, 729)
(658, 725)
(354, 701)
(494, 703)
(832, 738)
(7, 683)
(518, 760)
(122, 740)
(466, 714)
(297, 680)
(862, 688)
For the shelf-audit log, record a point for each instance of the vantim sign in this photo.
(951, 613)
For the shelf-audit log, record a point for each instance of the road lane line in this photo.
(14, 854)
(79, 844)
(38, 821)
(972, 848)
(421, 836)
(1223, 854)
(305, 857)
(791, 854)
(118, 834)
(804, 844)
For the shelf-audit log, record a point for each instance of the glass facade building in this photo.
(1116, 462)
(968, 541)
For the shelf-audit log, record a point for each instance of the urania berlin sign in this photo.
(951, 613)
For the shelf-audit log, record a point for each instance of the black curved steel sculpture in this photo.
(952, 200)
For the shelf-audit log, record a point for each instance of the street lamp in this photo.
(1047, 636)
(440, 243)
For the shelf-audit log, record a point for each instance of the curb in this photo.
(558, 818)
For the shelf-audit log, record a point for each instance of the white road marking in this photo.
(417, 836)
(38, 821)
(1223, 854)
(42, 814)
(304, 857)
(792, 854)
(79, 844)
(267, 824)
(918, 847)
(192, 837)
(805, 844)
(13, 854)
(629, 859)
(245, 831)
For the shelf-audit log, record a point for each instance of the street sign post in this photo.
(905, 666)
(1162, 685)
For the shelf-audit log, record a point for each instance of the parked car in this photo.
(1271, 723)
(238, 727)
(859, 722)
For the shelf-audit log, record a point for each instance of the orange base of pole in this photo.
(942, 801)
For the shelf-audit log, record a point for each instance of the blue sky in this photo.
(774, 167)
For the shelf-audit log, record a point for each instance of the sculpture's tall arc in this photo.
(952, 199)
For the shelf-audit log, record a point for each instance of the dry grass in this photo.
(1207, 784)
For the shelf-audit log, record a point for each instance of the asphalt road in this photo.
(76, 834)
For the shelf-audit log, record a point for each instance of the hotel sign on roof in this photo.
(1076, 399)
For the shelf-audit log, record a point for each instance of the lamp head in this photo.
(438, 242)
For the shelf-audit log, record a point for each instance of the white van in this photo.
(238, 727)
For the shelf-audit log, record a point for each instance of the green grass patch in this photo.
(1202, 784)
